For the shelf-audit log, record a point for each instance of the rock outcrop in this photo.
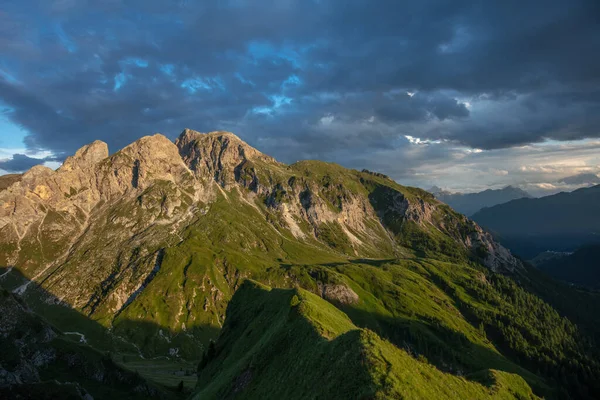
(337, 293)
(217, 155)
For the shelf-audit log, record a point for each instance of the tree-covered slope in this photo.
(292, 344)
(581, 268)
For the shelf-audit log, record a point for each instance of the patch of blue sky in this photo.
(10, 78)
(265, 110)
(260, 50)
(218, 82)
(279, 100)
(245, 81)
(120, 79)
(64, 39)
(168, 69)
(138, 62)
(292, 80)
(193, 85)
(12, 135)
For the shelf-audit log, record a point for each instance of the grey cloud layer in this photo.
(330, 79)
(21, 162)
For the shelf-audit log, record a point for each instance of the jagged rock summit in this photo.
(217, 155)
(87, 156)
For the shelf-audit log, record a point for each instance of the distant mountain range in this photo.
(581, 179)
(561, 222)
(470, 203)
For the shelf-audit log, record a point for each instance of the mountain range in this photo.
(470, 203)
(306, 280)
(561, 222)
(581, 179)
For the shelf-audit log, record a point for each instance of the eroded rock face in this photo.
(217, 155)
(8, 180)
(463, 231)
(46, 201)
(86, 157)
(495, 256)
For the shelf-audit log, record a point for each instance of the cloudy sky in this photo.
(460, 94)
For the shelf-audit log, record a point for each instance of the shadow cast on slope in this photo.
(39, 362)
(129, 336)
(135, 345)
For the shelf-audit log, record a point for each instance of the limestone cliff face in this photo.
(186, 221)
(217, 155)
(56, 206)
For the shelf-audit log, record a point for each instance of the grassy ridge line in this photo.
(289, 343)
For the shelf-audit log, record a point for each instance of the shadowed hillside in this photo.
(470, 203)
(561, 222)
(40, 361)
(580, 268)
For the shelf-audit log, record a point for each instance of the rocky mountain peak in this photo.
(88, 155)
(37, 171)
(148, 147)
(216, 155)
(223, 141)
(147, 160)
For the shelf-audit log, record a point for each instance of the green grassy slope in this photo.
(292, 344)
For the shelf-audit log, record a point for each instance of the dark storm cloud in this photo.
(21, 162)
(302, 77)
